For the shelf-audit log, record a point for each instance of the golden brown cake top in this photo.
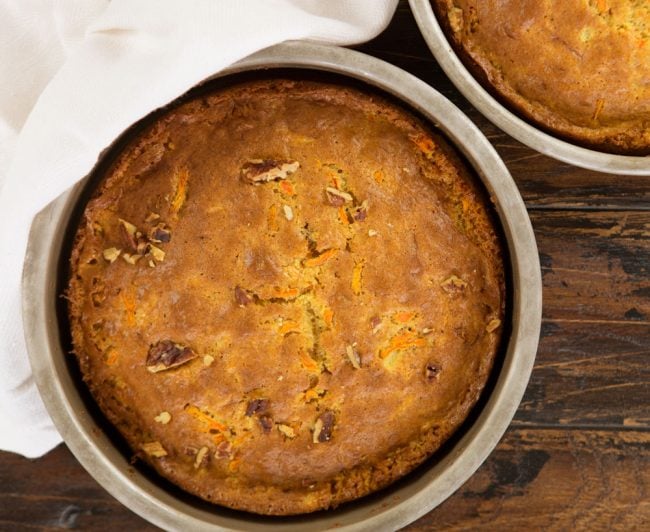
(286, 295)
(579, 68)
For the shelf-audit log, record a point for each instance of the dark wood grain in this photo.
(55, 492)
(589, 375)
(554, 480)
(577, 455)
(595, 265)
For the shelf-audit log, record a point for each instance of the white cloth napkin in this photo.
(76, 73)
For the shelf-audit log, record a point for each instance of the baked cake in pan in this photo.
(286, 294)
(579, 69)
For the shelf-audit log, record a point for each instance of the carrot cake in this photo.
(579, 69)
(286, 294)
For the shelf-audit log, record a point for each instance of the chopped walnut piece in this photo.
(167, 355)
(156, 253)
(131, 259)
(431, 371)
(224, 450)
(318, 427)
(154, 449)
(258, 171)
(151, 263)
(287, 431)
(353, 356)
(288, 212)
(336, 201)
(256, 406)
(266, 423)
(453, 284)
(493, 325)
(142, 245)
(128, 227)
(129, 232)
(160, 234)
(163, 418)
(242, 296)
(201, 455)
(323, 427)
(337, 197)
(361, 212)
(190, 451)
(111, 254)
(97, 229)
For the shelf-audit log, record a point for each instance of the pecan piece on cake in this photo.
(166, 354)
(160, 233)
(111, 254)
(323, 427)
(256, 406)
(431, 371)
(154, 449)
(257, 171)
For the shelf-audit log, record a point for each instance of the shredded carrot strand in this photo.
(343, 216)
(328, 316)
(206, 420)
(286, 187)
(288, 326)
(402, 341)
(320, 259)
(404, 316)
(308, 363)
(286, 293)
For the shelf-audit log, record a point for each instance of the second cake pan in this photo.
(509, 122)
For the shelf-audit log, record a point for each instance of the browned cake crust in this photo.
(286, 295)
(578, 68)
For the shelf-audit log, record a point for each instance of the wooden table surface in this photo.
(577, 454)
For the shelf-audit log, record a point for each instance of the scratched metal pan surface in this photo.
(94, 442)
(506, 120)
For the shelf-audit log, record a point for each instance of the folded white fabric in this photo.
(77, 73)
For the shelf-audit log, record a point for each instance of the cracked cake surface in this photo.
(286, 294)
(579, 68)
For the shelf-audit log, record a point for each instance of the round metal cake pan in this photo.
(65, 396)
(506, 120)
